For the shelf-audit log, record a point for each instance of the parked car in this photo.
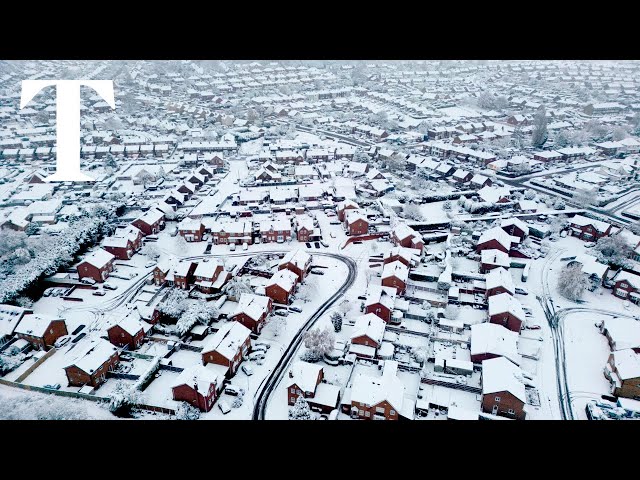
(247, 370)
(245, 246)
(282, 313)
(233, 390)
(224, 408)
(362, 297)
(256, 355)
(295, 309)
(99, 293)
(317, 272)
(521, 291)
(308, 244)
(149, 264)
(534, 327)
(88, 281)
(260, 347)
(55, 386)
(62, 341)
(109, 286)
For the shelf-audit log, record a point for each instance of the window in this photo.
(367, 413)
(392, 412)
(380, 410)
(293, 390)
(293, 399)
(298, 392)
(361, 412)
(51, 331)
(497, 399)
(511, 411)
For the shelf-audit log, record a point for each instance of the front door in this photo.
(495, 410)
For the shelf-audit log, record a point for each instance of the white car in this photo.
(88, 281)
(224, 407)
(247, 370)
(149, 264)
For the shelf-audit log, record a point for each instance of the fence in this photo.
(171, 368)
(123, 376)
(153, 408)
(35, 365)
(456, 386)
(60, 393)
(364, 238)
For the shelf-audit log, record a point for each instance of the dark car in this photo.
(295, 309)
(317, 272)
(357, 242)
(362, 297)
(308, 245)
(317, 244)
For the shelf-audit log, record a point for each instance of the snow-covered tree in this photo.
(619, 133)
(123, 398)
(572, 282)
(539, 135)
(319, 342)
(187, 412)
(110, 162)
(345, 307)
(447, 206)
(529, 194)
(412, 212)
(307, 291)
(35, 406)
(8, 364)
(336, 319)
(236, 287)
(300, 410)
(196, 313)
(614, 250)
(151, 251)
(451, 312)
(174, 304)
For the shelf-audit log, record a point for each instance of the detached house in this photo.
(97, 266)
(252, 311)
(380, 301)
(198, 386)
(503, 390)
(355, 223)
(395, 275)
(298, 261)
(623, 372)
(91, 364)
(41, 331)
(192, 230)
(367, 336)
(305, 379)
(588, 229)
(281, 286)
(405, 236)
(129, 332)
(507, 311)
(151, 222)
(228, 346)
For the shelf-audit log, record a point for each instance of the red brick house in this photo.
(191, 230)
(342, 208)
(408, 256)
(498, 281)
(503, 393)
(304, 228)
(298, 261)
(183, 274)
(119, 247)
(588, 229)
(490, 340)
(41, 331)
(151, 222)
(623, 372)
(161, 272)
(494, 239)
(380, 301)
(395, 275)
(306, 379)
(627, 286)
(228, 346)
(275, 231)
(368, 331)
(281, 286)
(356, 223)
(376, 397)
(209, 276)
(515, 227)
(97, 266)
(199, 386)
(129, 331)
(252, 311)
(405, 236)
(91, 364)
(506, 310)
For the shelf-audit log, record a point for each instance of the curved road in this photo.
(276, 374)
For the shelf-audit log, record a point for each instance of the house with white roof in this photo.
(495, 239)
(305, 379)
(281, 286)
(503, 389)
(298, 261)
(129, 331)
(378, 397)
(227, 347)
(41, 330)
(507, 311)
(623, 372)
(395, 275)
(97, 266)
(380, 301)
(490, 340)
(252, 311)
(91, 363)
(493, 258)
(199, 386)
(367, 335)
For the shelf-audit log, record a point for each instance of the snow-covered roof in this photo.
(500, 375)
(10, 316)
(207, 269)
(284, 278)
(495, 339)
(498, 234)
(369, 325)
(402, 231)
(252, 305)
(131, 325)
(495, 257)
(299, 258)
(504, 303)
(352, 216)
(507, 222)
(584, 221)
(99, 258)
(396, 269)
(152, 216)
(227, 340)
(631, 278)
(190, 224)
(591, 266)
(93, 355)
(624, 332)
(627, 363)
(276, 225)
(35, 324)
(198, 376)
(493, 194)
(411, 255)
(371, 390)
(304, 375)
(379, 294)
